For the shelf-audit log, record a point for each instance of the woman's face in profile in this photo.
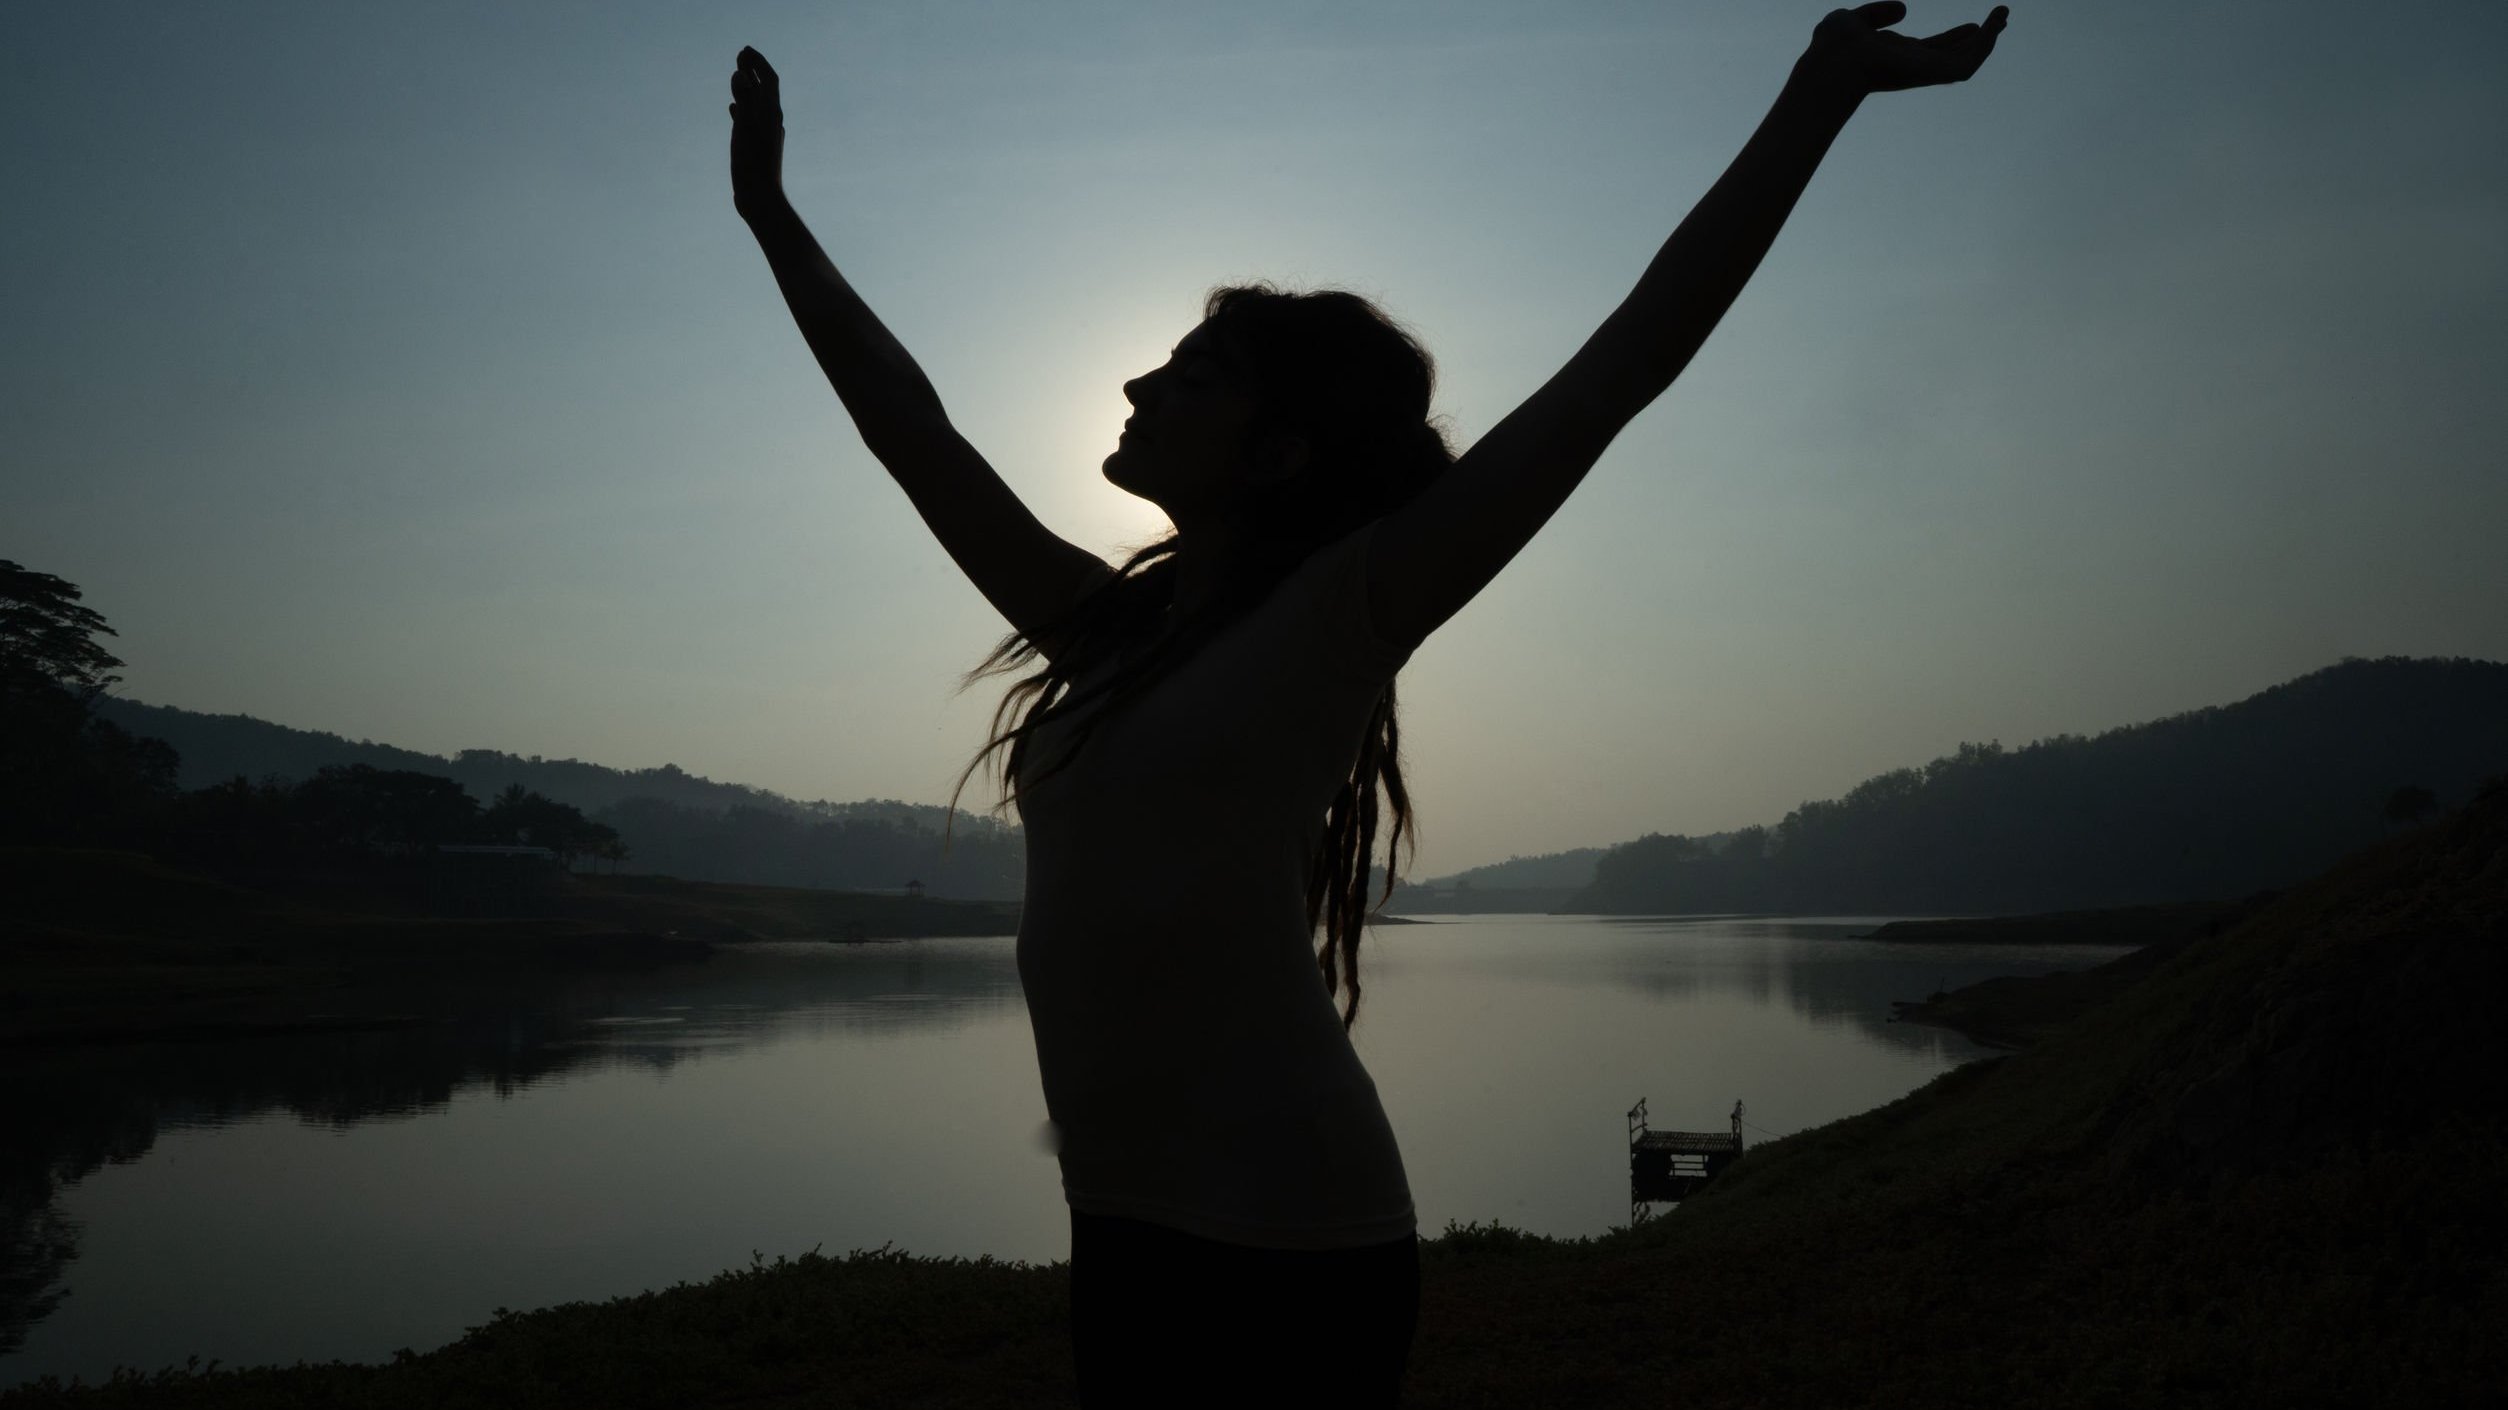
(1185, 446)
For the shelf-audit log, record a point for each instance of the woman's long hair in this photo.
(1331, 369)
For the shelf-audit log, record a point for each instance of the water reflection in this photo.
(72, 1110)
(1818, 967)
(781, 1095)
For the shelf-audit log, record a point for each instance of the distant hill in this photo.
(216, 748)
(2212, 804)
(1526, 871)
(673, 822)
(1516, 886)
(1570, 869)
(1552, 883)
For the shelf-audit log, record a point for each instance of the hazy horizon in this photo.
(406, 374)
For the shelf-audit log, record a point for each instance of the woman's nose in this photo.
(1132, 390)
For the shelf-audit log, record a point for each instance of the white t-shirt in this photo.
(1195, 1067)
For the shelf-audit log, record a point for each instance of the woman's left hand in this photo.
(1855, 49)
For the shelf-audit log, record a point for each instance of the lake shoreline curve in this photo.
(2110, 1214)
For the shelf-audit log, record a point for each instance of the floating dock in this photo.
(1666, 1167)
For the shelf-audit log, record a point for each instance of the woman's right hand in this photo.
(757, 138)
(1857, 51)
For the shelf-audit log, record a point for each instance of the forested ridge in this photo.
(2214, 803)
(669, 821)
(216, 748)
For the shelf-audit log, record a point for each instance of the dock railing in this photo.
(1666, 1167)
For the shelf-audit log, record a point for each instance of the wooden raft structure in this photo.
(1670, 1166)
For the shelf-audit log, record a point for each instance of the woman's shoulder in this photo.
(1323, 602)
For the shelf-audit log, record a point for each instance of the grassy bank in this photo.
(2261, 1169)
(2015, 1012)
(2120, 925)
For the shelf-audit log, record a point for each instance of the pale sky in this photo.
(403, 371)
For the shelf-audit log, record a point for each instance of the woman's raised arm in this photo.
(1022, 568)
(1434, 554)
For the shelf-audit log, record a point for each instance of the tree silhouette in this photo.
(522, 817)
(46, 634)
(66, 777)
(383, 812)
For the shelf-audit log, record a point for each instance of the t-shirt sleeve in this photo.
(1327, 604)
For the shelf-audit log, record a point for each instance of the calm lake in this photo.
(340, 1196)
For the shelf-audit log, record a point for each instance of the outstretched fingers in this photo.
(754, 89)
(1969, 44)
(1953, 42)
(754, 63)
(757, 131)
(1855, 46)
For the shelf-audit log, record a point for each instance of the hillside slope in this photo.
(2212, 804)
(673, 823)
(215, 748)
(2265, 1174)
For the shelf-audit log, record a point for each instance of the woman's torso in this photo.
(1194, 1066)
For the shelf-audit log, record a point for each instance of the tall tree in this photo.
(520, 816)
(66, 777)
(47, 635)
(383, 812)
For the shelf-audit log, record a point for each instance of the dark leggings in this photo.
(1162, 1317)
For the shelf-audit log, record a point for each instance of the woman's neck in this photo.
(1206, 561)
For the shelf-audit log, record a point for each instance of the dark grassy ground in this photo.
(2262, 1170)
(2015, 1012)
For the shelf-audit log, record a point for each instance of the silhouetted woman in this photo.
(1198, 747)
